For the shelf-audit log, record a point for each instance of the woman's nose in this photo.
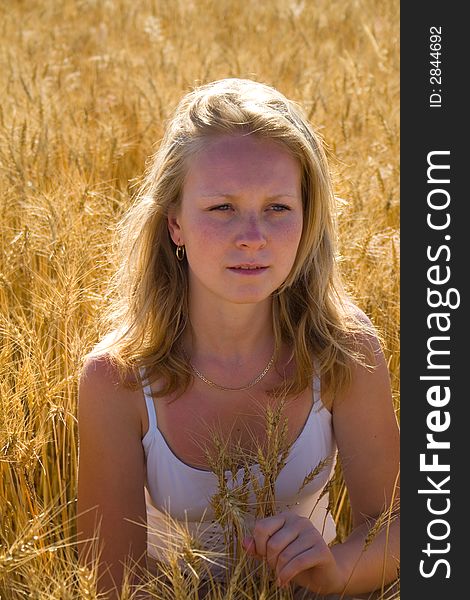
(251, 233)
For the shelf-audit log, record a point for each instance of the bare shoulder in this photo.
(368, 339)
(366, 430)
(370, 377)
(103, 395)
(98, 369)
(101, 368)
(370, 363)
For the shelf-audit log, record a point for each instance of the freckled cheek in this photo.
(288, 234)
(202, 236)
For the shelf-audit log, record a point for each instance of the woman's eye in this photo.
(221, 207)
(227, 207)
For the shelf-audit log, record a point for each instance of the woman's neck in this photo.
(232, 334)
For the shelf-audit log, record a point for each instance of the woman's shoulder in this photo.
(103, 398)
(106, 380)
(99, 370)
(101, 365)
(357, 314)
(366, 339)
(368, 365)
(103, 370)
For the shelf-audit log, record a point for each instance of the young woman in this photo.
(228, 302)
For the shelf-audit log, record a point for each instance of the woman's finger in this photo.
(300, 563)
(300, 544)
(279, 543)
(264, 530)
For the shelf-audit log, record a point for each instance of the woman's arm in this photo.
(367, 435)
(111, 473)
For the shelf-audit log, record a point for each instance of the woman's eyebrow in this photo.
(235, 197)
(218, 195)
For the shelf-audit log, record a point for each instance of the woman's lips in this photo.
(248, 269)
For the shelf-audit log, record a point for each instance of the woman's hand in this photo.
(295, 551)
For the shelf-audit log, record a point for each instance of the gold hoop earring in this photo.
(180, 252)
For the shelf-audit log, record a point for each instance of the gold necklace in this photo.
(231, 389)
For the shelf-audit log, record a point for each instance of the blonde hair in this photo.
(149, 291)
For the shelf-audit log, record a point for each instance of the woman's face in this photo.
(240, 218)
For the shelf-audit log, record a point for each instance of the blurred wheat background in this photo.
(86, 87)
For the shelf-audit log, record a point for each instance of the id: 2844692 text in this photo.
(435, 71)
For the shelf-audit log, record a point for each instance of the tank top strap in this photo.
(148, 400)
(316, 390)
(316, 384)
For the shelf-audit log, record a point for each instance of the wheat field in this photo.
(86, 87)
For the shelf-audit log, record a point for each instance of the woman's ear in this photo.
(174, 227)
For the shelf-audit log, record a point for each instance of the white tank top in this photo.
(183, 492)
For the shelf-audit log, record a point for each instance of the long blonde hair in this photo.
(149, 291)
